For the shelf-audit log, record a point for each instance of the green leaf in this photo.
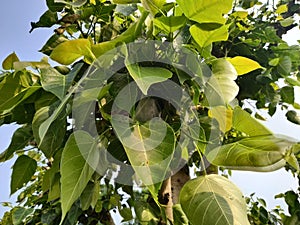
(282, 9)
(90, 195)
(76, 3)
(55, 7)
(20, 139)
(19, 214)
(146, 76)
(285, 66)
(287, 22)
(169, 24)
(203, 11)
(48, 19)
(287, 94)
(292, 81)
(53, 41)
(221, 88)
(55, 134)
(8, 63)
(125, 1)
(69, 51)
(179, 216)
(258, 153)
(153, 6)
(36, 65)
(213, 200)
(15, 88)
(149, 148)
(55, 82)
(293, 117)
(205, 37)
(129, 35)
(79, 160)
(23, 169)
(244, 65)
(244, 122)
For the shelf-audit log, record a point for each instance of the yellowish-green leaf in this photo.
(244, 122)
(244, 65)
(69, 51)
(203, 11)
(153, 6)
(213, 200)
(282, 9)
(240, 14)
(8, 63)
(223, 115)
(169, 24)
(79, 160)
(37, 65)
(264, 153)
(204, 37)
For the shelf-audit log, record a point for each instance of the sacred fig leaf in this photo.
(15, 88)
(223, 115)
(203, 11)
(78, 162)
(55, 134)
(69, 51)
(23, 169)
(179, 217)
(146, 76)
(20, 213)
(153, 6)
(125, 1)
(8, 63)
(20, 139)
(48, 19)
(263, 153)
(213, 200)
(204, 36)
(244, 65)
(221, 88)
(169, 24)
(244, 122)
(149, 147)
(53, 41)
(55, 82)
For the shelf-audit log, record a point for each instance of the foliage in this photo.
(94, 142)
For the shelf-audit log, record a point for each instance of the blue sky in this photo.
(15, 18)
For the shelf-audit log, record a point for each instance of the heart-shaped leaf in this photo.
(213, 200)
(203, 11)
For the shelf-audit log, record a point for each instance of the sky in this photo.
(15, 18)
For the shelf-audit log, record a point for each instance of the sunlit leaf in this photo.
(223, 115)
(23, 170)
(203, 11)
(282, 9)
(153, 6)
(15, 88)
(69, 51)
(75, 3)
(213, 200)
(79, 160)
(8, 63)
(221, 87)
(205, 37)
(170, 24)
(244, 65)
(244, 122)
(263, 153)
(125, 1)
